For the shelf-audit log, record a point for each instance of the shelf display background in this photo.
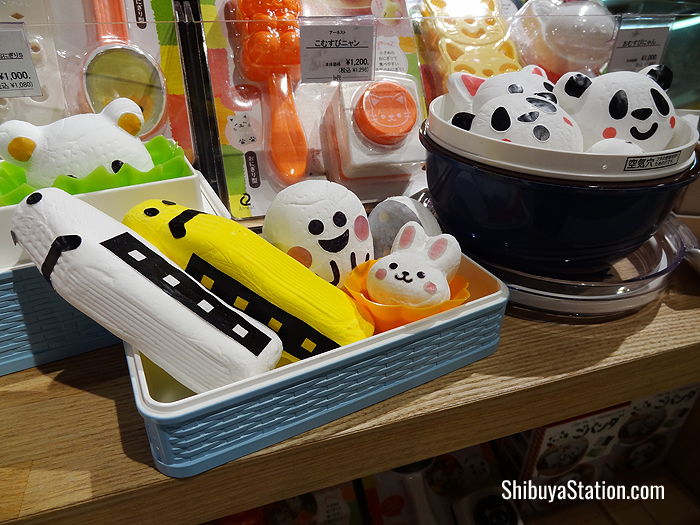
(64, 34)
(117, 470)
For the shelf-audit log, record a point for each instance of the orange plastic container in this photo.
(385, 113)
(388, 316)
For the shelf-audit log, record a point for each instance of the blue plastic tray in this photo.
(37, 326)
(202, 431)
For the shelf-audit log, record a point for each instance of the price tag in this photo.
(637, 47)
(18, 76)
(333, 51)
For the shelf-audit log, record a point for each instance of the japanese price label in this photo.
(18, 76)
(333, 52)
(638, 47)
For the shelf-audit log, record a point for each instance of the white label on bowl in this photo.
(651, 162)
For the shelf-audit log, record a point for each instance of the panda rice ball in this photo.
(524, 119)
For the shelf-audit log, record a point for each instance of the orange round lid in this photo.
(385, 113)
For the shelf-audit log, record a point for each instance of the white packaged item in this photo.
(372, 128)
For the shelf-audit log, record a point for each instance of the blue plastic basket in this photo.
(196, 433)
(37, 326)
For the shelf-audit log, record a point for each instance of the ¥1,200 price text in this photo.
(356, 62)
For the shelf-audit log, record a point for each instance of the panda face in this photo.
(524, 119)
(619, 108)
(531, 80)
(628, 106)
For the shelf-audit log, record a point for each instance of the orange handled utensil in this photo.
(110, 18)
(116, 68)
(270, 54)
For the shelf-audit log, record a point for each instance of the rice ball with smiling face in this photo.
(321, 224)
(417, 271)
(625, 105)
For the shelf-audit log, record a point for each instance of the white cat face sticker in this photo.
(242, 131)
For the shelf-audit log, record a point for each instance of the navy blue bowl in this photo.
(545, 226)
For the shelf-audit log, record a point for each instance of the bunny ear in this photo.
(411, 235)
(437, 249)
(406, 237)
(444, 253)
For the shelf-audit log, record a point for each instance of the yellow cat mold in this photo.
(310, 315)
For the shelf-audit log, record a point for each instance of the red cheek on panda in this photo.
(672, 121)
(568, 122)
(506, 140)
(609, 133)
(361, 227)
(430, 288)
(380, 274)
(301, 254)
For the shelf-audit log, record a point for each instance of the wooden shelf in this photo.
(74, 448)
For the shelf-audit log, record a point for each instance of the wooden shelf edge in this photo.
(324, 456)
(75, 448)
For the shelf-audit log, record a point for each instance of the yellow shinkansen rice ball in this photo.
(309, 314)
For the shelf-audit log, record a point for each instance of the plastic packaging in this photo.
(380, 163)
(564, 36)
(458, 36)
(115, 68)
(269, 54)
(371, 128)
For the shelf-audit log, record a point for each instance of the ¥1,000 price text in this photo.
(14, 75)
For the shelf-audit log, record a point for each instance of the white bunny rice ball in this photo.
(417, 271)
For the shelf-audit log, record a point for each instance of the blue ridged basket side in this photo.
(220, 432)
(37, 326)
